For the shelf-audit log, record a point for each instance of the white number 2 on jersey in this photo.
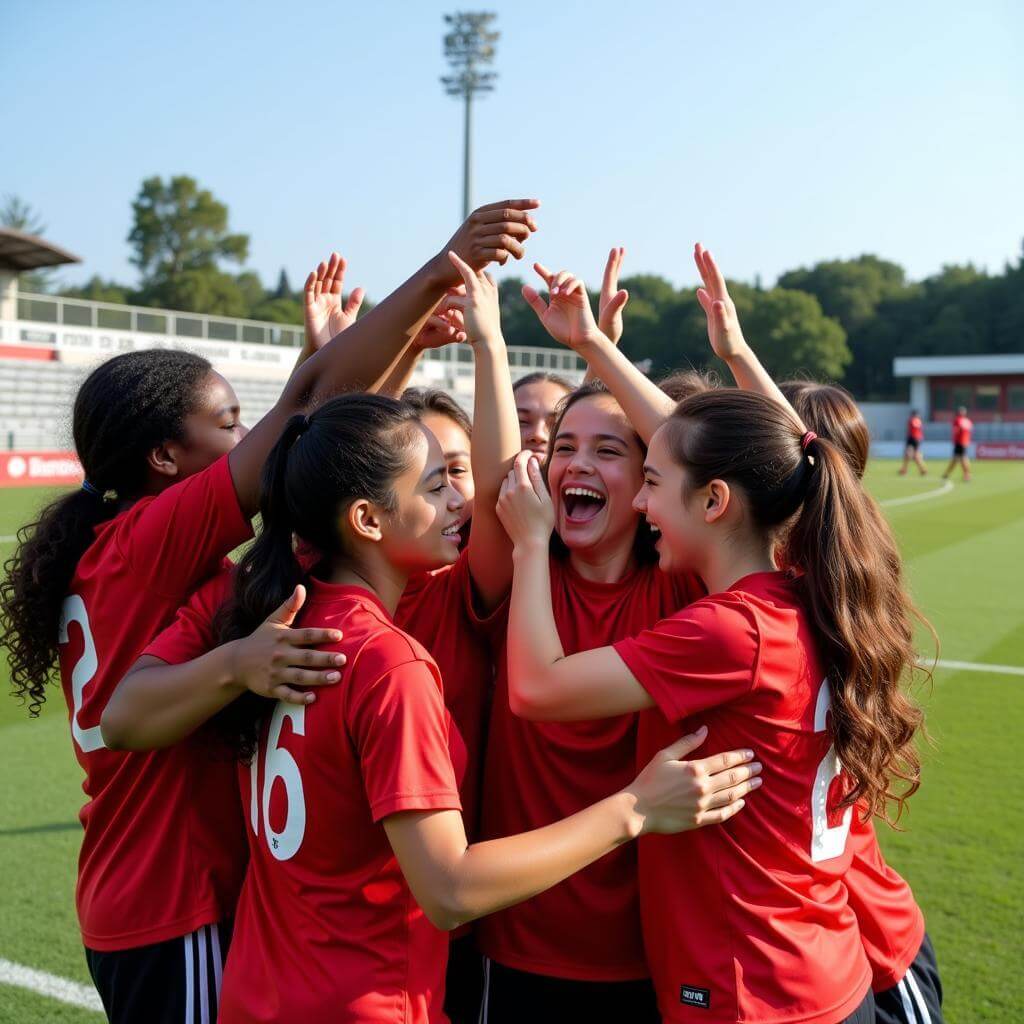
(73, 610)
(279, 764)
(826, 842)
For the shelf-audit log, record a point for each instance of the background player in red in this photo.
(106, 567)
(325, 929)
(915, 435)
(962, 427)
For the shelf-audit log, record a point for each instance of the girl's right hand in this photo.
(275, 660)
(673, 795)
(524, 505)
(567, 315)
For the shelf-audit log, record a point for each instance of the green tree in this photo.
(98, 290)
(179, 237)
(18, 215)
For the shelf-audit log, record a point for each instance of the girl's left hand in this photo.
(326, 314)
(481, 314)
(524, 505)
(567, 315)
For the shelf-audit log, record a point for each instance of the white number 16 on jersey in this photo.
(279, 764)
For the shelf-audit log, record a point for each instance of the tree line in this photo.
(840, 320)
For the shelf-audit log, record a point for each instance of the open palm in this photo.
(326, 314)
(724, 330)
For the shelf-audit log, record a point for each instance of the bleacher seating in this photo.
(36, 400)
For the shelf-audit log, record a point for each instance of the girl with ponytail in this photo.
(172, 479)
(748, 922)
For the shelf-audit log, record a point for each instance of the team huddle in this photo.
(582, 707)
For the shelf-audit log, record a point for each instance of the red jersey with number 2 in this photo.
(749, 921)
(163, 851)
(327, 928)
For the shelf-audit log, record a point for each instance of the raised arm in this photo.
(496, 439)
(455, 883)
(567, 317)
(726, 336)
(365, 352)
(610, 304)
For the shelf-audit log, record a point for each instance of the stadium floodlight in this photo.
(469, 46)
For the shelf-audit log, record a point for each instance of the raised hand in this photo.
(567, 315)
(724, 331)
(326, 315)
(479, 306)
(491, 234)
(613, 299)
(524, 505)
(275, 660)
(445, 326)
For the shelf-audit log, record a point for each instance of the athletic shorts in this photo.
(959, 449)
(917, 997)
(464, 981)
(519, 997)
(166, 983)
(912, 442)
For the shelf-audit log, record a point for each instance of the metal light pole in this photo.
(469, 46)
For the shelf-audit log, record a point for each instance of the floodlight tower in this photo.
(468, 47)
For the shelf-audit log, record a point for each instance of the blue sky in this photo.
(777, 133)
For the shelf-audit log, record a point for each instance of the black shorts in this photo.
(912, 442)
(959, 449)
(464, 981)
(519, 997)
(166, 983)
(917, 997)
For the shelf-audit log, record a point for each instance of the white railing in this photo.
(55, 309)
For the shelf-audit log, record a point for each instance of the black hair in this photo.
(125, 408)
(352, 447)
(644, 541)
(425, 400)
(544, 377)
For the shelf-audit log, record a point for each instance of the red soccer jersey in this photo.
(890, 921)
(327, 928)
(915, 428)
(962, 428)
(437, 609)
(749, 921)
(164, 846)
(587, 927)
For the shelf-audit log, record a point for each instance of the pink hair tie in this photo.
(807, 439)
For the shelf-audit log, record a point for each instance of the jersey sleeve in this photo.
(179, 538)
(703, 656)
(191, 634)
(400, 729)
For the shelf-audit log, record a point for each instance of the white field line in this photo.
(946, 487)
(50, 985)
(975, 666)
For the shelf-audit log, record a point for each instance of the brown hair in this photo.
(644, 541)
(831, 412)
(543, 377)
(682, 383)
(426, 400)
(847, 567)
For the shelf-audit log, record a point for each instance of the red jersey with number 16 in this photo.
(164, 848)
(327, 928)
(749, 921)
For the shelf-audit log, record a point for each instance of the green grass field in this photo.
(961, 848)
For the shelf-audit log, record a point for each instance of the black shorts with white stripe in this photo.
(917, 997)
(172, 982)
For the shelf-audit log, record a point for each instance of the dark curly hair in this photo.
(126, 407)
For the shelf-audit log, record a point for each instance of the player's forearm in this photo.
(399, 373)
(646, 406)
(750, 375)
(496, 442)
(534, 646)
(157, 705)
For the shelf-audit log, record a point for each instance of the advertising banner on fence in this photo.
(1000, 450)
(37, 469)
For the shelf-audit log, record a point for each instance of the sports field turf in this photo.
(961, 851)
